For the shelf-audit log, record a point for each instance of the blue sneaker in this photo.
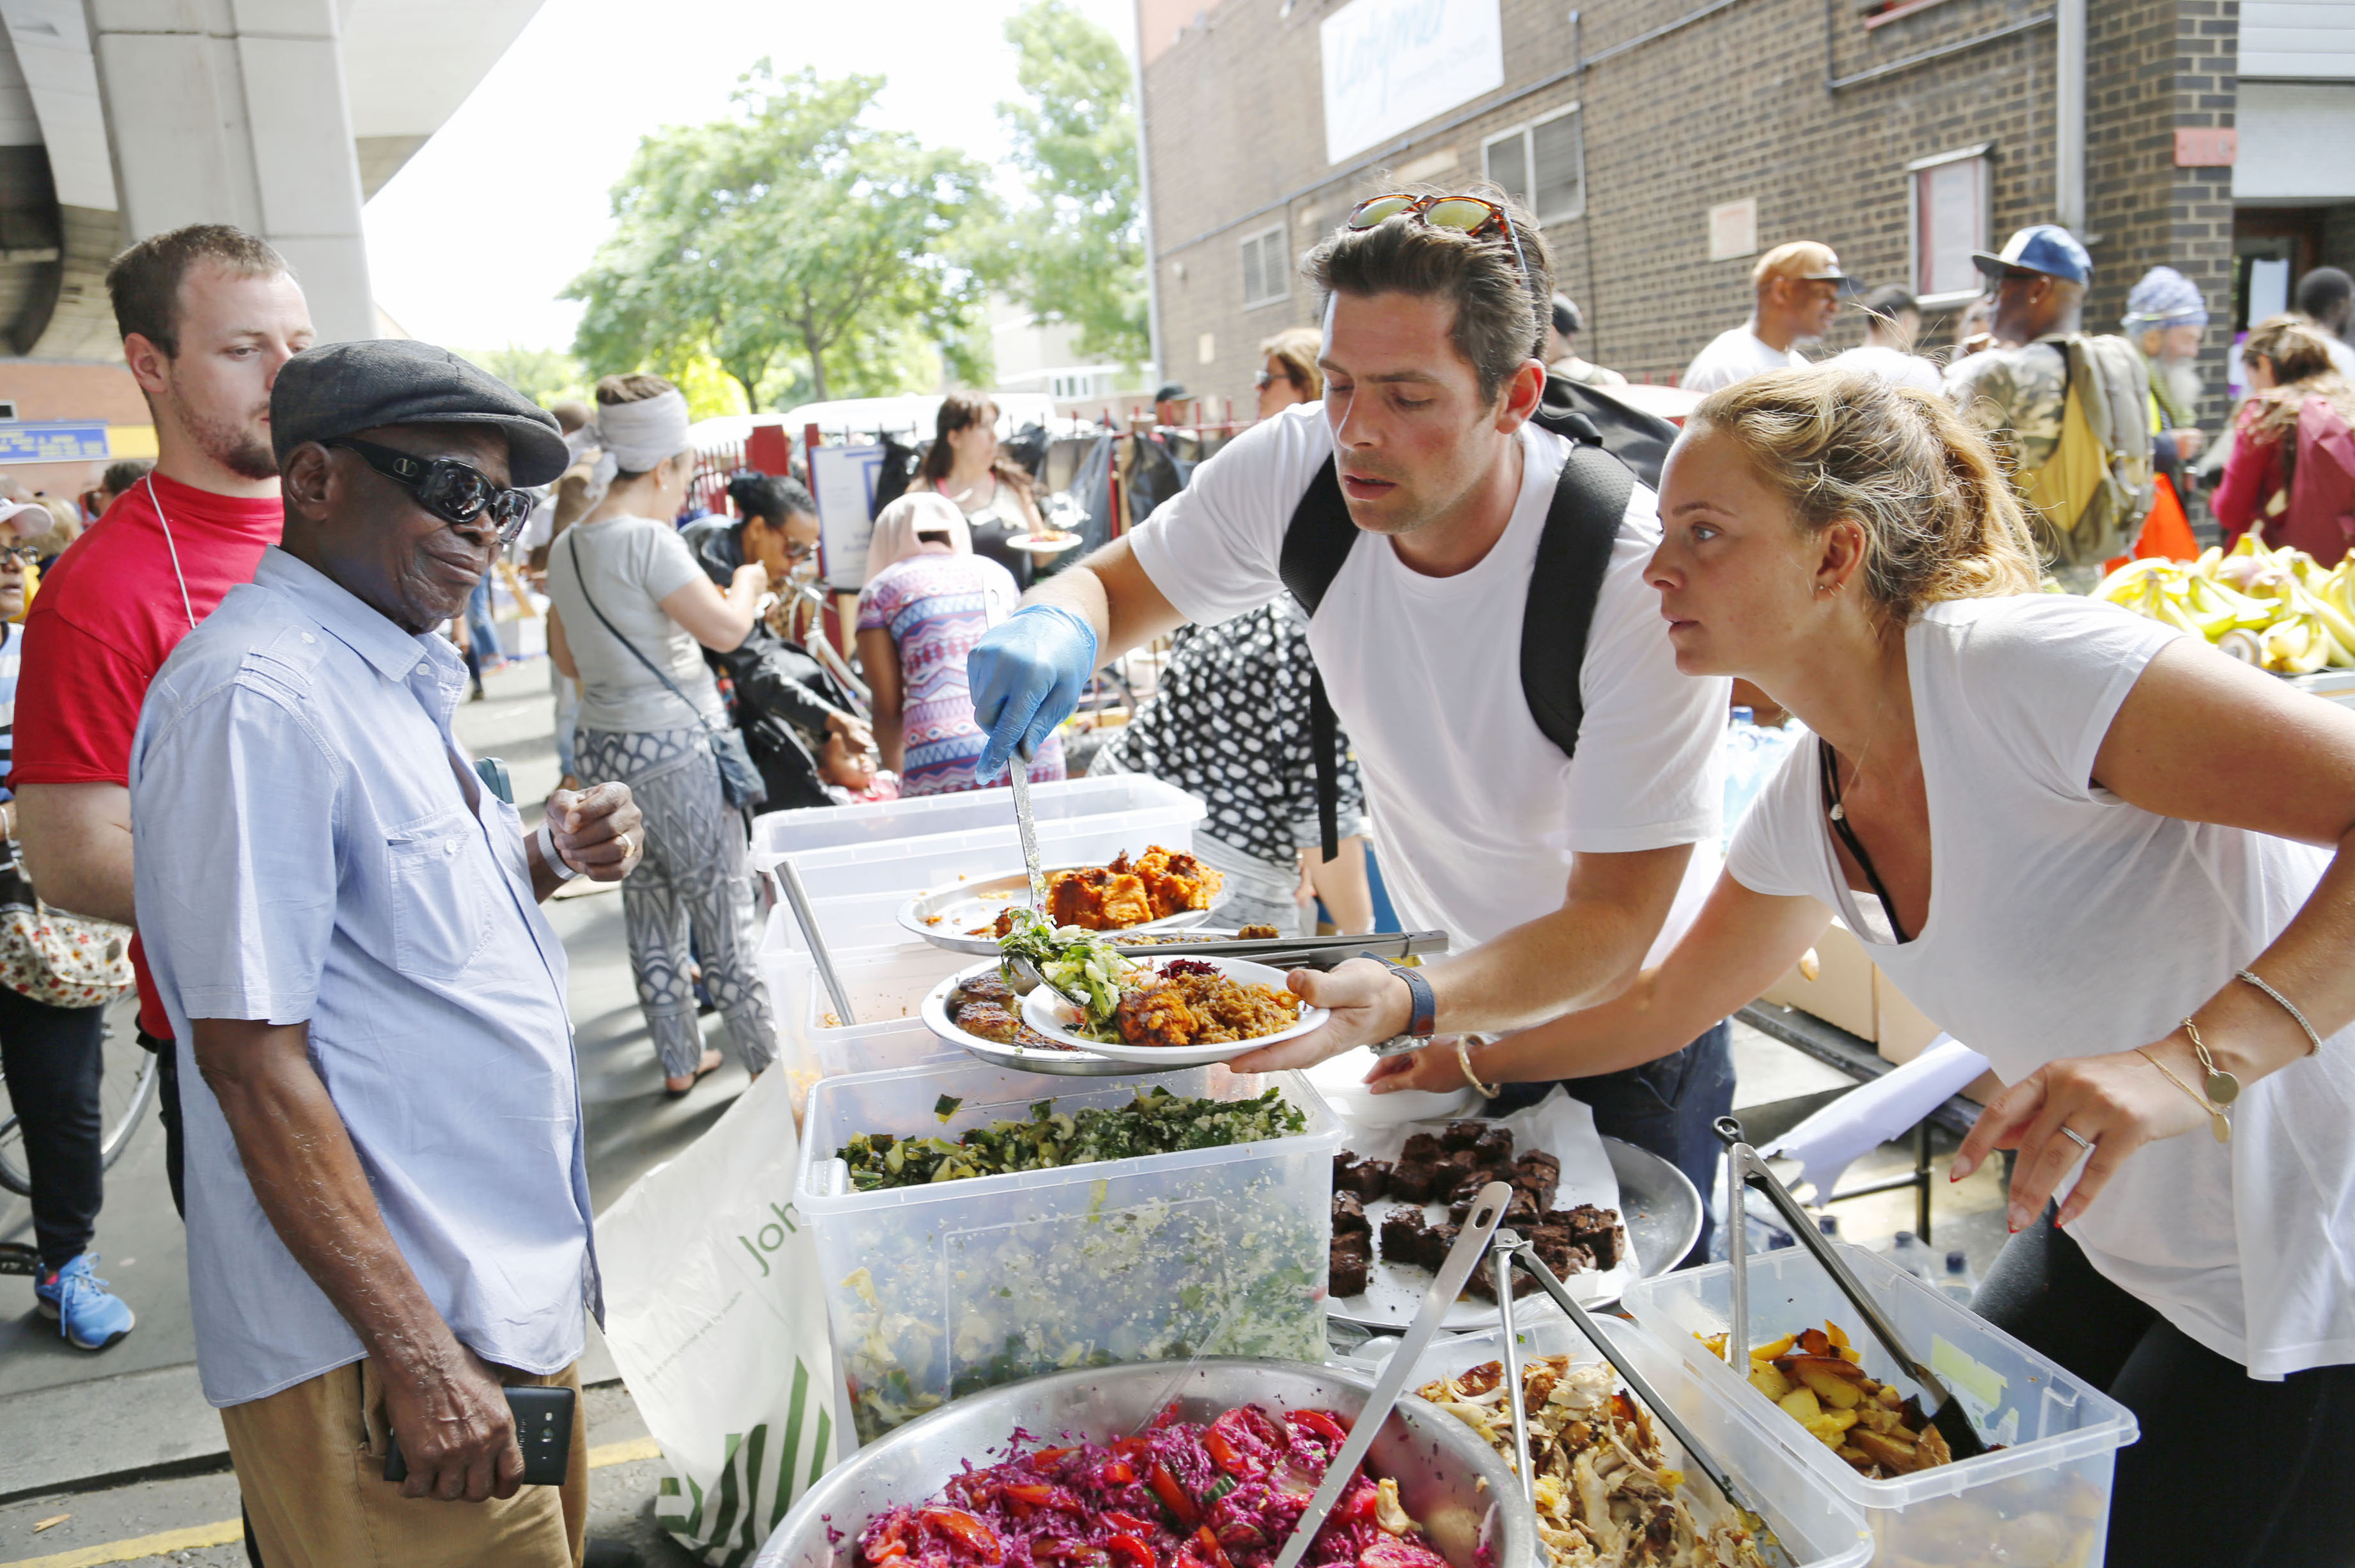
(88, 1317)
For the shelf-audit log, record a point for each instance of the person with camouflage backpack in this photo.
(2070, 409)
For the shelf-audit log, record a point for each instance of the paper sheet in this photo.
(1559, 1126)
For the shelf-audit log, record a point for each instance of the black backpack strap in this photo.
(1316, 543)
(1573, 556)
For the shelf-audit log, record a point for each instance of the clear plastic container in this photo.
(908, 844)
(846, 920)
(2044, 1497)
(1821, 1529)
(940, 1290)
(885, 986)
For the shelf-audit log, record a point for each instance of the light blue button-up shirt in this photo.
(304, 851)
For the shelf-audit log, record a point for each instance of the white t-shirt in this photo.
(631, 564)
(1736, 354)
(2063, 922)
(1476, 814)
(1899, 370)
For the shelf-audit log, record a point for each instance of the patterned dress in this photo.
(935, 608)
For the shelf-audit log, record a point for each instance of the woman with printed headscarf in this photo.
(632, 612)
(928, 599)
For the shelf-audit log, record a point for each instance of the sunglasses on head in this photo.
(1469, 215)
(457, 493)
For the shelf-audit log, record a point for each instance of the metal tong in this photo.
(1510, 1247)
(1745, 1166)
(789, 883)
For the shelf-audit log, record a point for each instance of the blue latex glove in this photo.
(1025, 675)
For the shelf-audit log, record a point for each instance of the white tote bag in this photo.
(716, 1318)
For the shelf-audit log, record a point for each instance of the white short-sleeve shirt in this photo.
(1476, 814)
(2063, 922)
(1736, 354)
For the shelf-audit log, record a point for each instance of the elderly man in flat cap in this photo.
(388, 1202)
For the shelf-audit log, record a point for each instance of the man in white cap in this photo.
(1797, 288)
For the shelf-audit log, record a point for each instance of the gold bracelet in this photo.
(2218, 1123)
(1463, 1060)
(2221, 1086)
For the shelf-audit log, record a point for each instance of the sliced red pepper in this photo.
(1030, 1492)
(1134, 1549)
(1130, 1447)
(1209, 1544)
(1173, 1496)
(1228, 1458)
(968, 1530)
(1128, 1524)
(1118, 1473)
(1324, 1425)
(1047, 1455)
(1358, 1507)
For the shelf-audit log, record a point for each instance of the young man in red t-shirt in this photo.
(207, 314)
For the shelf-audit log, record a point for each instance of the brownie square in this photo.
(1368, 1179)
(1597, 1230)
(1494, 1147)
(1423, 1147)
(1414, 1181)
(1558, 1254)
(1358, 1241)
(1346, 1273)
(1538, 1187)
(1482, 1285)
(1537, 1159)
(1402, 1234)
(1436, 1243)
(1462, 1134)
(1350, 1216)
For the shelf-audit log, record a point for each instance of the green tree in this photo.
(546, 375)
(789, 235)
(1077, 253)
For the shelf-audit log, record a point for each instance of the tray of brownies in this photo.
(1399, 1193)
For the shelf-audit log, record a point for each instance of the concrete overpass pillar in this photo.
(233, 111)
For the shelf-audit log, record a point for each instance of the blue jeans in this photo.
(1669, 1107)
(481, 630)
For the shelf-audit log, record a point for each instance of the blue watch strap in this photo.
(1422, 1022)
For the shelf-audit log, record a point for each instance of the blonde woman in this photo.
(2094, 850)
(1287, 372)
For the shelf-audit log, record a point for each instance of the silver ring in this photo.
(2078, 1138)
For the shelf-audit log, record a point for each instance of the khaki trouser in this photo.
(310, 1460)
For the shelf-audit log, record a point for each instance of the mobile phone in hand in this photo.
(543, 1423)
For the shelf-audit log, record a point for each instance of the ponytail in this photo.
(1940, 518)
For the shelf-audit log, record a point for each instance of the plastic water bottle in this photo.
(1958, 1283)
(1908, 1254)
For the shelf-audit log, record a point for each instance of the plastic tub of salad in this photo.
(978, 1226)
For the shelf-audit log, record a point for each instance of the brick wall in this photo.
(1734, 105)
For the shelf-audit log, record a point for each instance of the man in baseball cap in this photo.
(1796, 289)
(354, 961)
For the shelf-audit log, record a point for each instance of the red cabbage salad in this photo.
(1179, 1495)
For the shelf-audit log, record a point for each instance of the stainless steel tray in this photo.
(934, 1011)
(1452, 1482)
(945, 916)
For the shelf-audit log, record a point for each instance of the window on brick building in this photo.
(1266, 278)
(1542, 165)
(1950, 221)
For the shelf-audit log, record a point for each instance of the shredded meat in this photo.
(1202, 1009)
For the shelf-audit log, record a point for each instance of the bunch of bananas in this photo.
(2278, 609)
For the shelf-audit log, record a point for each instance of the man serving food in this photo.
(1555, 872)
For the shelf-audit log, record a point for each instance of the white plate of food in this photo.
(975, 1010)
(1043, 544)
(1243, 1005)
(1159, 891)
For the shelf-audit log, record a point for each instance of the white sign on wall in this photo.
(1734, 229)
(1389, 65)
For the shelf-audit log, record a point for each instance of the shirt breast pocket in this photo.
(441, 904)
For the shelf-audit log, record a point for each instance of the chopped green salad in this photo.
(1155, 1122)
(1075, 962)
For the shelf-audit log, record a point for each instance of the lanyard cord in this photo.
(1838, 815)
(187, 608)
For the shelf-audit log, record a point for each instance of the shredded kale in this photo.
(1156, 1122)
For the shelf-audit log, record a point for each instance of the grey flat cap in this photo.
(345, 387)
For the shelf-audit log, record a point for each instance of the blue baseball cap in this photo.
(2044, 247)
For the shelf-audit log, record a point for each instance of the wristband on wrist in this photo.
(565, 871)
(1423, 1010)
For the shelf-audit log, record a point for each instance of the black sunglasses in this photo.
(457, 493)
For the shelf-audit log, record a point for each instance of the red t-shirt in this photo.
(104, 619)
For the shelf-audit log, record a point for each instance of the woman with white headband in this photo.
(928, 599)
(632, 604)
